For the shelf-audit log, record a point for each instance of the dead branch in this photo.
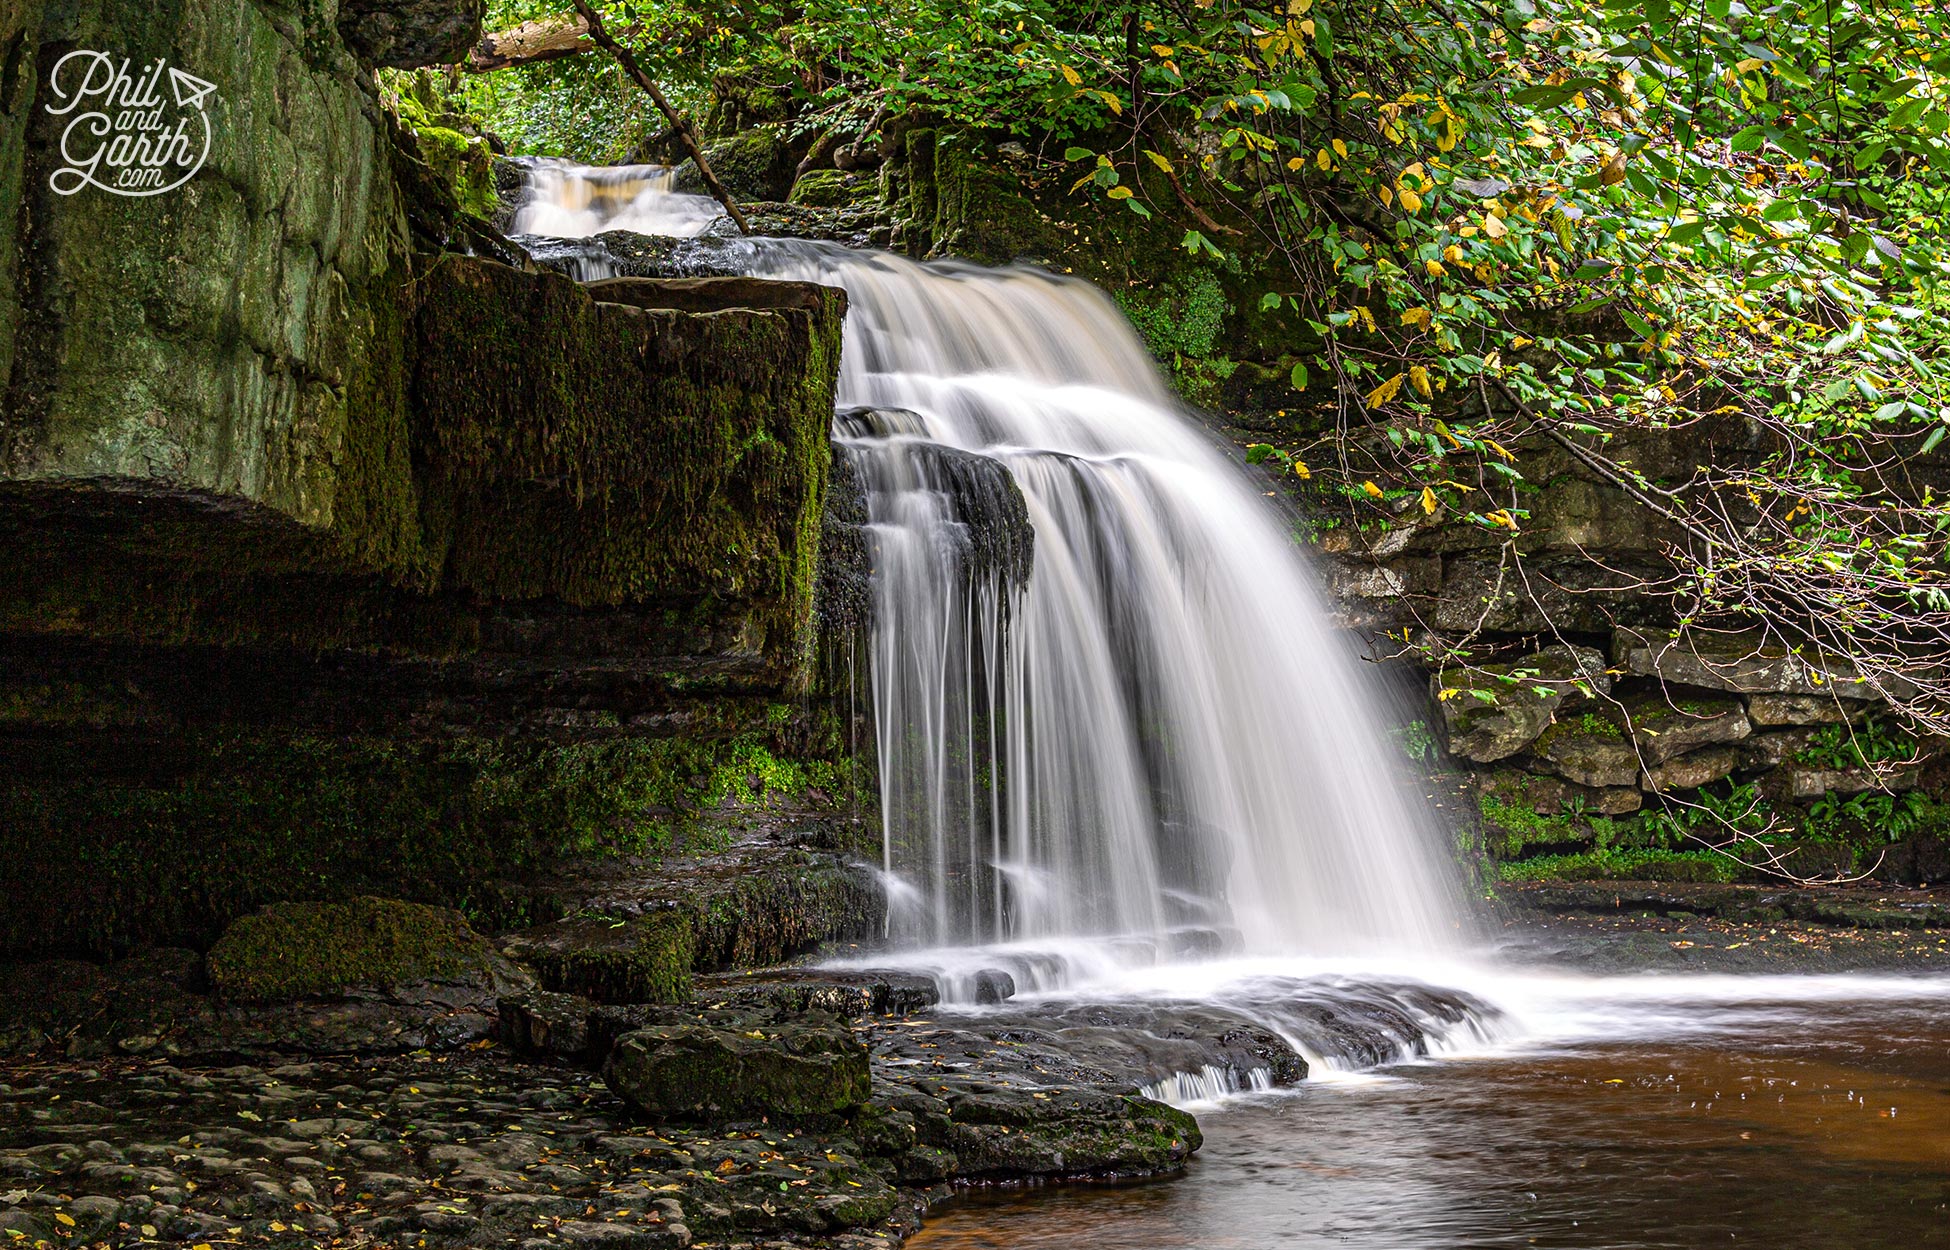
(544, 39)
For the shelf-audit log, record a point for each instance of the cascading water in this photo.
(1108, 696)
(1115, 725)
(565, 200)
(1160, 730)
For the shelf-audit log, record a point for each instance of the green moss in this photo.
(601, 454)
(643, 959)
(300, 950)
(832, 188)
(1600, 726)
(464, 165)
(1622, 865)
(1182, 318)
(107, 843)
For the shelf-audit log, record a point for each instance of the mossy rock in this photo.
(755, 164)
(317, 950)
(833, 188)
(695, 1072)
(642, 959)
(464, 165)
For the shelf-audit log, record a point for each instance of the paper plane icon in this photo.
(189, 89)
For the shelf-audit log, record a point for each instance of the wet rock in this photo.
(994, 1131)
(406, 34)
(1771, 750)
(1664, 727)
(1591, 750)
(642, 959)
(838, 993)
(543, 1023)
(696, 1072)
(1740, 664)
(1497, 711)
(991, 986)
(1800, 709)
(1689, 772)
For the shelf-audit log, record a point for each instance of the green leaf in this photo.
(1299, 379)
(1259, 452)
(1079, 154)
(1269, 301)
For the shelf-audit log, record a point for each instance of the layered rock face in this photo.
(341, 563)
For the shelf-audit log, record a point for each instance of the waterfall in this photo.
(1109, 699)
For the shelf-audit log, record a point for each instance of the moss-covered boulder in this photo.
(755, 164)
(1591, 749)
(640, 959)
(696, 1072)
(833, 188)
(316, 950)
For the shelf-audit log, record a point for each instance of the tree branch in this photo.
(629, 63)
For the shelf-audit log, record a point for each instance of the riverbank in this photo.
(514, 1137)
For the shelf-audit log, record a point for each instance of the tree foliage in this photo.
(1514, 222)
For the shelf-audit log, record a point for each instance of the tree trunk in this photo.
(544, 39)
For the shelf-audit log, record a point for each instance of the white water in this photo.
(1162, 731)
(1157, 752)
(572, 201)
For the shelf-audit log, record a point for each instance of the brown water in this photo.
(1813, 1124)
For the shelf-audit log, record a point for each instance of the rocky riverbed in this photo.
(788, 1107)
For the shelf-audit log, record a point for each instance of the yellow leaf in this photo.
(1387, 194)
(1411, 202)
(1159, 160)
(1434, 268)
(1301, 471)
(1418, 377)
(1385, 392)
(1493, 226)
(1418, 317)
(1613, 172)
(1070, 76)
(1340, 149)
(1307, 28)
(1428, 501)
(1119, 193)
(1161, 49)
(1417, 172)
(1298, 162)
(1373, 490)
(1446, 694)
(1323, 159)
(1295, 8)
(1749, 65)
(1366, 318)
(1500, 449)
(64, 1219)
(1452, 254)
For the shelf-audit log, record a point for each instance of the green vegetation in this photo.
(100, 862)
(1493, 230)
(1644, 864)
(299, 950)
